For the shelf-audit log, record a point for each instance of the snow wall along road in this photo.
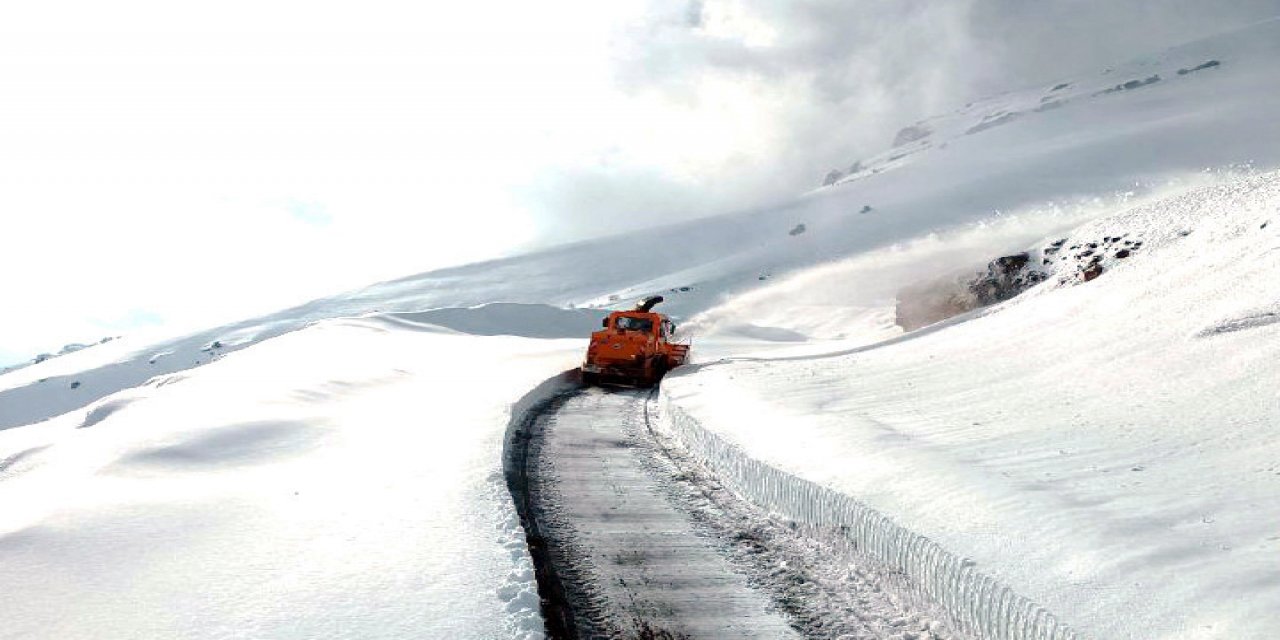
(977, 605)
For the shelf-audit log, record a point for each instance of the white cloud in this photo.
(201, 162)
(178, 160)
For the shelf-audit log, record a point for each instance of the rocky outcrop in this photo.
(1064, 262)
(910, 134)
(1005, 278)
(1200, 67)
(991, 121)
(929, 302)
(1131, 85)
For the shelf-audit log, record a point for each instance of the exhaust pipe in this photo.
(646, 304)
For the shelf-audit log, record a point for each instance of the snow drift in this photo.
(1104, 449)
(333, 481)
(1083, 443)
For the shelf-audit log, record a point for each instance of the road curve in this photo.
(632, 538)
(632, 563)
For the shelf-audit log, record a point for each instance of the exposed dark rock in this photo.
(910, 134)
(833, 176)
(1200, 67)
(1009, 264)
(75, 385)
(990, 121)
(866, 208)
(797, 230)
(1131, 85)
(1050, 105)
(1004, 279)
(1060, 87)
(929, 302)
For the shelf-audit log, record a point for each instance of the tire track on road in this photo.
(633, 539)
(624, 561)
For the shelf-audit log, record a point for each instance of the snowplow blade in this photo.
(619, 376)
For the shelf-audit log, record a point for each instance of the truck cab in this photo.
(634, 348)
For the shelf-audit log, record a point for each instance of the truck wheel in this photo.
(659, 370)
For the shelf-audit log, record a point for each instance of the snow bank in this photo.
(53, 387)
(921, 570)
(342, 480)
(1105, 449)
(1056, 162)
(77, 379)
(853, 298)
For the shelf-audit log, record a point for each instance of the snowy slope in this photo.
(1122, 120)
(337, 481)
(152, 483)
(1031, 176)
(1107, 449)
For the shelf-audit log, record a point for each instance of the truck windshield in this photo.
(627, 323)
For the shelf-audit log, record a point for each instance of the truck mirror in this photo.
(604, 322)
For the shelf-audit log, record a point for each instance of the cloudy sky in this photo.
(178, 164)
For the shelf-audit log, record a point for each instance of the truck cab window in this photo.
(626, 323)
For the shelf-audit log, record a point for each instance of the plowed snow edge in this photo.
(556, 612)
(975, 604)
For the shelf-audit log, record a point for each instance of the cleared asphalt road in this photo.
(632, 562)
(632, 538)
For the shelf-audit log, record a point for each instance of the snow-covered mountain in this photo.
(1101, 446)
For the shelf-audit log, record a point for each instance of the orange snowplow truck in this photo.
(634, 348)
